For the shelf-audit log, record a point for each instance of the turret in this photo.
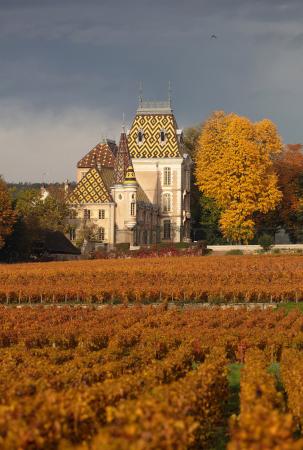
(124, 192)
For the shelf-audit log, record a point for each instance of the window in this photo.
(101, 213)
(132, 209)
(101, 234)
(162, 136)
(87, 214)
(166, 206)
(72, 214)
(187, 203)
(187, 180)
(167, 176)
(72, 234)
(166, 229)
(140, 136)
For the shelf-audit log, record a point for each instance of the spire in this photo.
(122, 159)
(140, 92)
(123, 123)
(169, 93)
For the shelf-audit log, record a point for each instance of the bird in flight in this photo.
(214, 36)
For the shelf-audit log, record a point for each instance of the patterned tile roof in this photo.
(102, 155)
(94, 187)
(151, 126)
(122, 159)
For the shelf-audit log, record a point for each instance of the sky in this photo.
(69, 69)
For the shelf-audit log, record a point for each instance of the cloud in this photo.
(33, 143)
(112, 23)
(70, 68)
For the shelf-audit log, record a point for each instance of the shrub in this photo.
(235, 251)
(276, 251)
(123, 246)
(266, 242)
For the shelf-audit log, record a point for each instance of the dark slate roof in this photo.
(55, 242)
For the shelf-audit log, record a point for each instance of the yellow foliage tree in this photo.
(234, 167)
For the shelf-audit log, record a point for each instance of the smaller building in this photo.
(54, 245)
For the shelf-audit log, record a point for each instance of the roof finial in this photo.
(123, 122)
(140, 92)
(169, 92)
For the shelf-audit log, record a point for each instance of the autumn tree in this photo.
(7, 214)
(234, 167)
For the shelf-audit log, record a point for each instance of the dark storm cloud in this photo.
(63, 60)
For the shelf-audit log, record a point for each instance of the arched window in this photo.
(166, 205)
(140, 136)
(167, 229)
(167, 176)
(101, 234)
(72, 214)
(72, 234)
(162, 136)
(187, 180)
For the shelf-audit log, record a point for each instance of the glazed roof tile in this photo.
(103, 154)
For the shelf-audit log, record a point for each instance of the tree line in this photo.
(25, 214)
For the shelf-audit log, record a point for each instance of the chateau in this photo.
(137, 192)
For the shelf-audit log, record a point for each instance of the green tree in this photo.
(191, 136)
(7, 214)
(50, 213)
(210, 217)
(33, 216)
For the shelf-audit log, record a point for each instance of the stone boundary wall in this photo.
(253, 248)
(170, 305)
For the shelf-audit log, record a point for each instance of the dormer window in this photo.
(162, 136)
(140, 136)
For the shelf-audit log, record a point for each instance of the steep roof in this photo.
(94, 187)
(151, 119)
(103, 154)
(122, 159)
(54, 242)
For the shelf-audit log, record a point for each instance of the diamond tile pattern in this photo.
(91, 189)
(151, 147)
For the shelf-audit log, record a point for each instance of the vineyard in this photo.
(184, 279)
(150, 378)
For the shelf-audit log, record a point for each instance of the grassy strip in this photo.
(290, 306)
(233, 404)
